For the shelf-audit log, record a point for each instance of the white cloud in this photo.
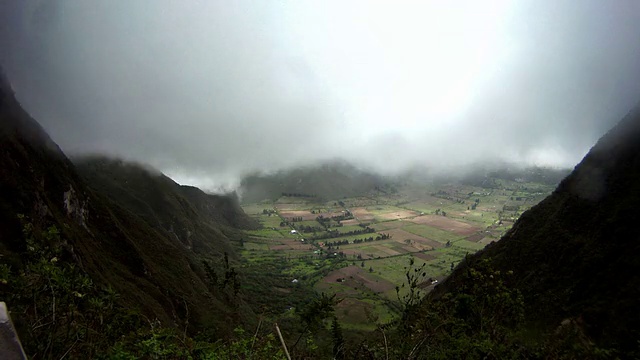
(209, 90)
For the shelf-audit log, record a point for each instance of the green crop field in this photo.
(364, 274)
(268, 233)
(432, 233)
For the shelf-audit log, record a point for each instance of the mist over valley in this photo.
(319, 179)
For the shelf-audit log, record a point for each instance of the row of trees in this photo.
(381, 236)
(336, 244)
(336, 218)
(337, 234)
(445, 195)
(302, 195)
(309, 229)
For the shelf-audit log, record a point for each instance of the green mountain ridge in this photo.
(574, 256)
(138, 232)
(332, 180)
(340, 179)
(194, 218)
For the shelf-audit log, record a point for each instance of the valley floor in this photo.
(359, 248)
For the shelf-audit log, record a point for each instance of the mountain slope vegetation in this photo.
(573, 258)
(332, 180)
(189, 215)
(132, 231)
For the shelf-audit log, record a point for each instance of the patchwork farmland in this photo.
(360, 248)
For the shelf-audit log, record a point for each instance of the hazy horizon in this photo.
(207, 92)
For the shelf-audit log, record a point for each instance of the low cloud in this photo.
(209, 91)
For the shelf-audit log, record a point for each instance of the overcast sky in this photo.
(209, 90)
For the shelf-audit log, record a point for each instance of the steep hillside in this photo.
(139, 233)
(325, 182)
(487, 176)
(200, 221)
(574, 256)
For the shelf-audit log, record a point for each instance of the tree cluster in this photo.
(337, 234)
(298, 195)
(381, 236)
